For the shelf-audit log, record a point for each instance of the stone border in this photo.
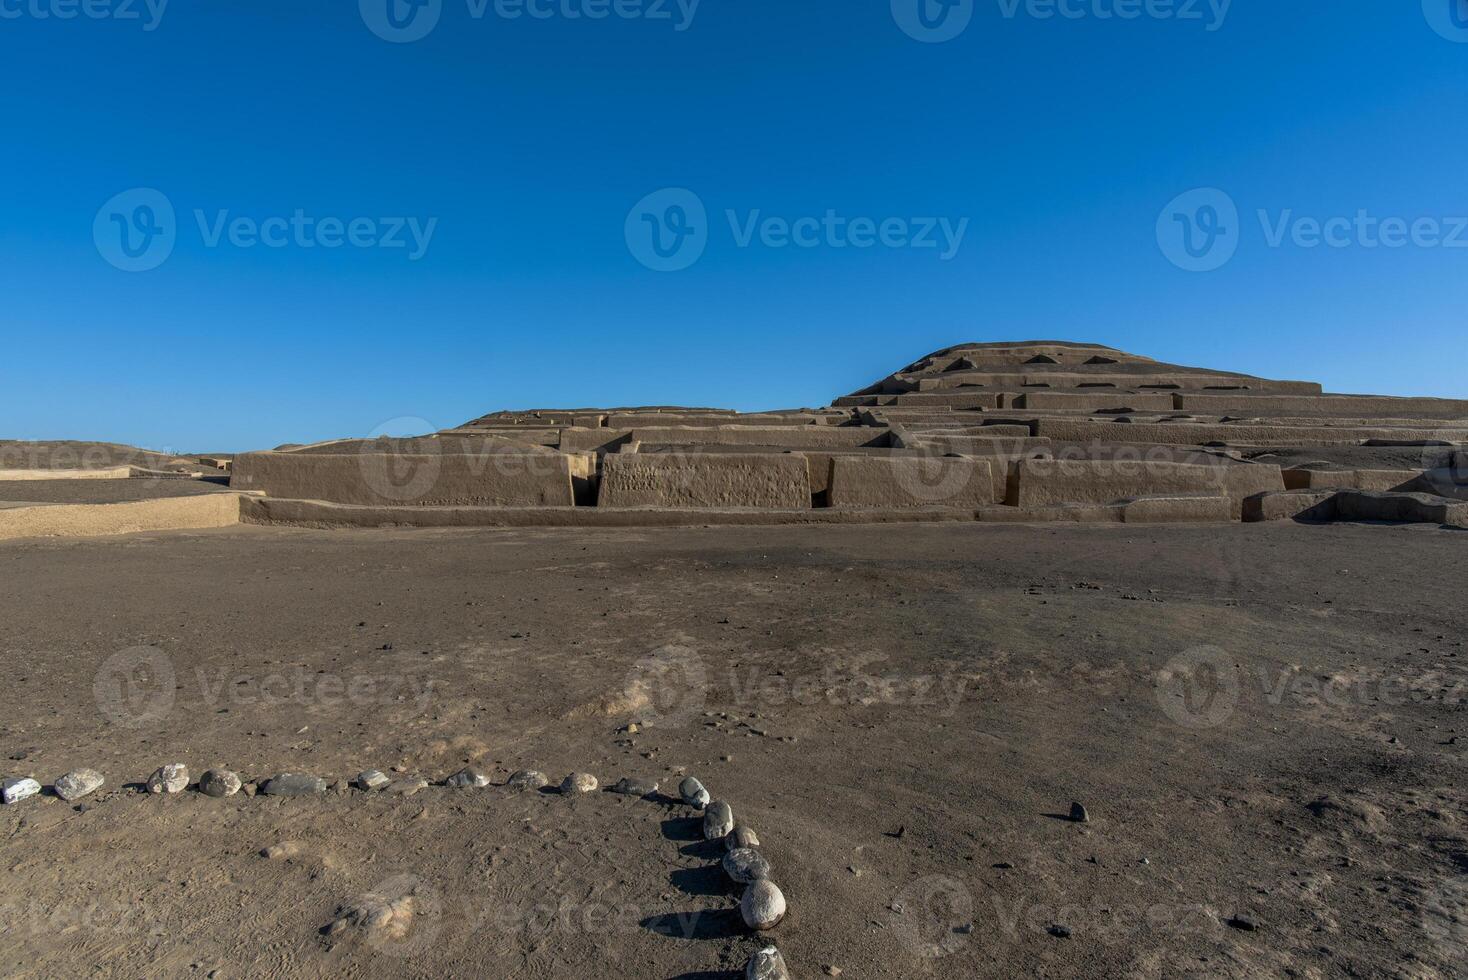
(762, 905)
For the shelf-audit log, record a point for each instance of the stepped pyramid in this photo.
(1038, 430)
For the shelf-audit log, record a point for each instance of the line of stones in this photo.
(762, 905)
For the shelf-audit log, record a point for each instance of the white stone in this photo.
(579, 782)
(763, 905)
(78, 783)
(767, 964)
(171, 778)
(15, 790)
(718, 821)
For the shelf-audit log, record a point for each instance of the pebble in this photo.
(579, 782)
(282, 851)
(407, 785)
(741, 836)
(219, 782)
(293, 784)
(171, 778)
(78, 783)
(1078, 813)
(1244, 921)
(635, 787)
(763, 905)
(15, 790)
(1059, 931)
(746, 866)
(718, 821)
(767, 964)
(693, 793)
(468, 778)
(370, 779)
(527, 779)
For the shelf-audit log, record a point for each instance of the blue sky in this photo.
(529, 153)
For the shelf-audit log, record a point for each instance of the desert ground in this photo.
(904, 714)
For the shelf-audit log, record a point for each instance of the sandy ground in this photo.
(903, 714)
(102, 491)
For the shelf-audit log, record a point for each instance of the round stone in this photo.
(746, 866)
(78, 783)
(767, 964)
(172, 778)
(693, 793)
(468, 778)
(527, 779)
(718, 821)
(370, 779)
(763, 905)
(741, 836)
(219, 782)
(579, 782)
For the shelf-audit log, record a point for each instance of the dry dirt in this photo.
(903, 714)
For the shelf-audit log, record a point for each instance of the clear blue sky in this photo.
(528, 141)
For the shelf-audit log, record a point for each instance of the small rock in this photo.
(78, 783)
(693, 793)
(1059, 931)
(746, 866)
(293, 784)
(370, 779)
(635, 787)
(468, 778)
(763, 906)
(219, 782)
(741, 836)
(833, 971)
(767, 964)
(249, 789)
(1244, 921)
(283, 851)
(15, 790)
(527, 779)
(632, 729)
(579, 782)
(1078, 813)
(718, 821)
(407, 785)
(172, 778)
